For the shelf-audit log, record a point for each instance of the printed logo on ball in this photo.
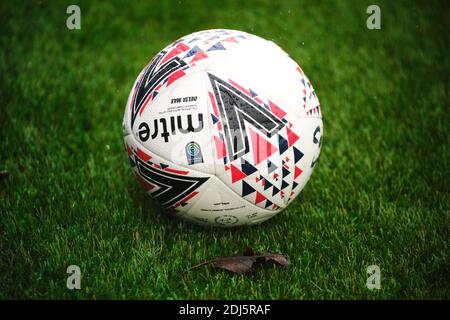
(193, 153)
(167, 127)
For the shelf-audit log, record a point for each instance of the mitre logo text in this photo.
(166, 127)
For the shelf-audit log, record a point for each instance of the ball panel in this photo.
(175, 125)
(301, 158)
(220, 206)
(262, 144)
(190, 194)
(173, 186)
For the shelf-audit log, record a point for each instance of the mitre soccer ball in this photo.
(223, 128)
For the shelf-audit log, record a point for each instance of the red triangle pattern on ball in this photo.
(297, 172)
(262, 149)
(236, 174)
(259, 197)
(221, 150)
(291, 136)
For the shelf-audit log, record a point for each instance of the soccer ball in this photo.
(223, 128)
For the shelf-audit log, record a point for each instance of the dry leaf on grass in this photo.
(245, 263)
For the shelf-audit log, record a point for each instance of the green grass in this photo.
(380, 193)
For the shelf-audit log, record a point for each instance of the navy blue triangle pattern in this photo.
(217, 46)
(267, 184)
(253, 93)
(214, 118)
(294, 185)
(285, 172)
(298, 155)
(284, 184)
(247, 189)
(213, 37)
(192, 52)
(275, 191)
(268, 204)
(163, 165)
(282, 144)
(247, 168)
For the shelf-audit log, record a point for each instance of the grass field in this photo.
(380, 193)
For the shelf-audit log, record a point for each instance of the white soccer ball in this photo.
(223, 128)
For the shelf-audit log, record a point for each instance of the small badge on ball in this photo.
(193, 153)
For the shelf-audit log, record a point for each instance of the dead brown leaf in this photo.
(245, 263)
